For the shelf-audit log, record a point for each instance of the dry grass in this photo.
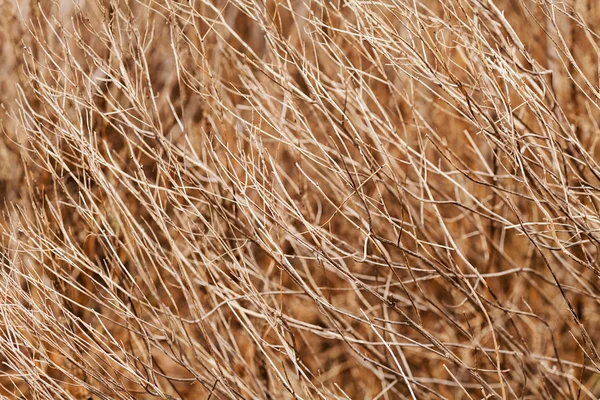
(300, 199)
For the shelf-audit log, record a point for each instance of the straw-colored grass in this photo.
(233, 199)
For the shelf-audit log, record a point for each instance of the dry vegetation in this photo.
(235, 199)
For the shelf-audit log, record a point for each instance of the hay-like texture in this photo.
(239, 199)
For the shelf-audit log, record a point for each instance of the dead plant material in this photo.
(233, 199)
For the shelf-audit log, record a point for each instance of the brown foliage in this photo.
(293, 199)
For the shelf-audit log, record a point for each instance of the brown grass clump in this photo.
(237, 199)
